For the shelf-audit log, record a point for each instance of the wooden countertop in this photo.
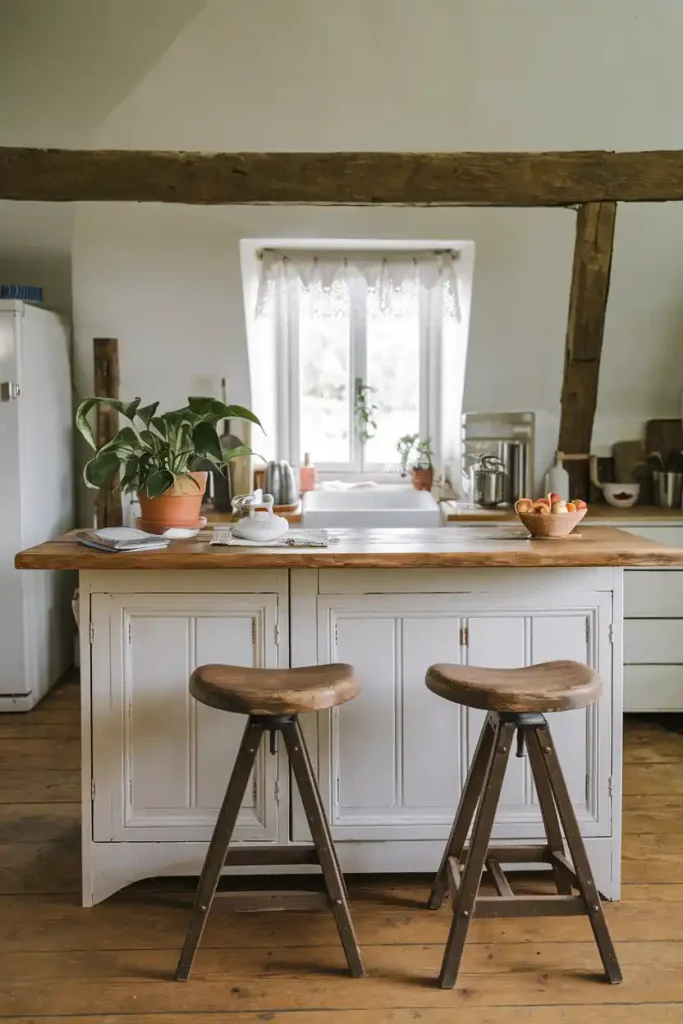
(473, 547)
(458, 512)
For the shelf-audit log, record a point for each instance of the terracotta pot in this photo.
(423, 479)
(180, 505)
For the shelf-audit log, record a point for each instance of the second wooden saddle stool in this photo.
(273, 698)
(516, 700)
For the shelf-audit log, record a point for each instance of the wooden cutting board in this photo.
(664, 436)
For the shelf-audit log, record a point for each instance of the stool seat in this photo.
(550, 686)
(265, 691)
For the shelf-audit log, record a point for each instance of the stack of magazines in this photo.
(121, 538)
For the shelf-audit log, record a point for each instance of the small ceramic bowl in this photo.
(621, 495)
(553, 526)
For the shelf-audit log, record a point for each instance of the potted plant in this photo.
(158, 455)
(420, 454)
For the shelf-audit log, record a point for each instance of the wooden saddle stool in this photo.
(272, 699)
(516, 700)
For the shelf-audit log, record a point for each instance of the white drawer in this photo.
(655, 594)
(653, 642)
(653, 688)
(671, 535)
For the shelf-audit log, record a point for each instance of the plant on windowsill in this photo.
(417, 456)
(364, 410)
(159, 456)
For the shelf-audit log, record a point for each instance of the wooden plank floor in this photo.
(112, 964)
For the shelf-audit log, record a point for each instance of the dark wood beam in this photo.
(106, 381)
(585, 329)
(411, 179)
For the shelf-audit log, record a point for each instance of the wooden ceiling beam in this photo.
(409, 179)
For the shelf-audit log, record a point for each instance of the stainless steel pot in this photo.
(487, 482)
(513, 455)
(668, 489)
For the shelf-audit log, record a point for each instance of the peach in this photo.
(558, 507)
(580, 504)
(524, 505)
(541, 509)
(571, 506)
(542, 501)
(554, 497)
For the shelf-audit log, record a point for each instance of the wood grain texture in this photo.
(553, 686)
(263, 691)
(106, 385)
(415, 179)
(585, 328)
(484, 547)
(112, 964)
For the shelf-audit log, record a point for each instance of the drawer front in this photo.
(653, 642)
(671, 535)
(653, 688)
(653, 594)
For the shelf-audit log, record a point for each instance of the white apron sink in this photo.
(380, 506)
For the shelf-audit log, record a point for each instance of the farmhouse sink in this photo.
(379, 506)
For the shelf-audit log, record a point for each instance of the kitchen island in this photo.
(391, 762)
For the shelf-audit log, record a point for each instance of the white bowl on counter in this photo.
(621, 495)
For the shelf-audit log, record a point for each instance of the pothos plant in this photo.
(156, 450)
(412, 450)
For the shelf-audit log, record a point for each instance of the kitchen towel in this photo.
(291, 539)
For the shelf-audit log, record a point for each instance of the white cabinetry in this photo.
(393, 761)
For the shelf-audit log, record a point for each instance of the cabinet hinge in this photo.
(336, 634)
(130, 792)
(587, 791)
(130, 632)
(588, 630)
(277, 635)
(277, 791)
(253, 631)
(609, 787)
(92, 789)
(91, 633)
(336, 790)
(610, 632)
(464, 636)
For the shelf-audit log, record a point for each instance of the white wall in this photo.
(400, 75)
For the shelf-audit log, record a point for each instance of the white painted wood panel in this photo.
(653, 688)
(653, 594)
(174, 755)
(672, 535)
(653, 642)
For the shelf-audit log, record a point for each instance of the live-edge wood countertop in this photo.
(470, 547)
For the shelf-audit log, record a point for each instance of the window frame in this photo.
(286, 326)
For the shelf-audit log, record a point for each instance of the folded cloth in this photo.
(291, 539)
(121, 538)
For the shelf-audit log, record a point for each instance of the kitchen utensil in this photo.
(271, 481)
(261, 525)
(668, 489)
(513, 455)
(485, 433)
(280, 481)
(487, 482)
(621, 495)
(664, 436)
(552, 527)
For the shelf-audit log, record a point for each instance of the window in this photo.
(358, 344)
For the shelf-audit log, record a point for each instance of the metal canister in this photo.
(487, 482)
(513, 455)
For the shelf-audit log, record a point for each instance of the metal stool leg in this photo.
(468, 888)
(322, 838)
(577, 850)
(469, 799)
(218, 847)
(551, 822)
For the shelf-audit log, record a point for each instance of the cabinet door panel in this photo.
(162, 759)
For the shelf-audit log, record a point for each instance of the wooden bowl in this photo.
(553, 526)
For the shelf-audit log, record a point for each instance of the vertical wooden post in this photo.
(585, 329)
(106, 356)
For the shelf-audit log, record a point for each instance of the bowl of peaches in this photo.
(550, 518)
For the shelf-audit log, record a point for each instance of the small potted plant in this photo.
(418, 456)
(158, 456)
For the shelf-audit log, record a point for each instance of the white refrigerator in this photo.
(36, 500)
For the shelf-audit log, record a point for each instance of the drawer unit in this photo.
(653, 688)
(653, 642)
(653, 594)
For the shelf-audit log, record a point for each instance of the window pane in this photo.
(393, 354)
(324, 344)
